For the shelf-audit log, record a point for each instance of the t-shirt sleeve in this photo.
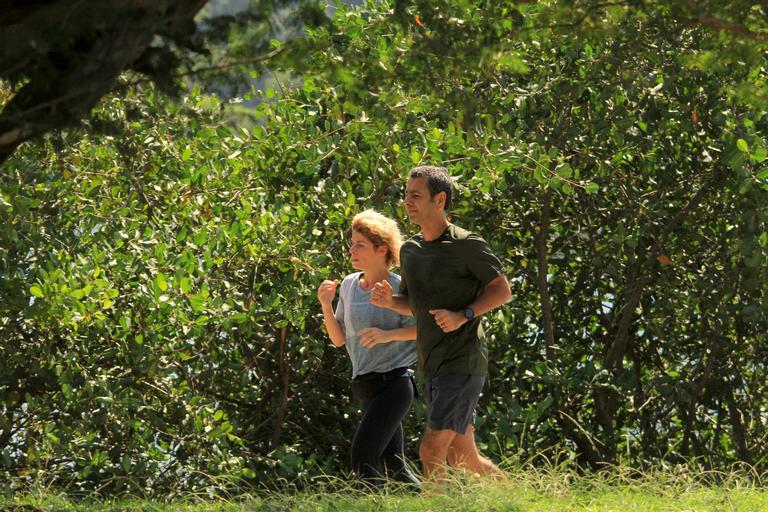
(481, 261)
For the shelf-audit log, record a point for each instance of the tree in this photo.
(62, 57)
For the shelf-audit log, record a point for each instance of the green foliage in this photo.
(627, 192)
(170, 291)
(159, 331)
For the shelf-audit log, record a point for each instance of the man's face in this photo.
(418, 203)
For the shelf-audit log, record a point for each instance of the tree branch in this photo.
(637, 285)
(716, 23)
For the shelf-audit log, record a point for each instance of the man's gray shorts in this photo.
(451, 401)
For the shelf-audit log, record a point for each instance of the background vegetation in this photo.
(158, 322)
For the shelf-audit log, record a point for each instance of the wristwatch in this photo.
(469, 314)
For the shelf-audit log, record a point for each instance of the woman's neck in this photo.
(372, 276)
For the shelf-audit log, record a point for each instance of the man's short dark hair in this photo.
(438, 180)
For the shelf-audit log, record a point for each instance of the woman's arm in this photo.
(372, 336)
(326, 293)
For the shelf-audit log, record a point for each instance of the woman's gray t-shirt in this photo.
(355, 312)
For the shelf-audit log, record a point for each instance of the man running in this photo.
(450, 278)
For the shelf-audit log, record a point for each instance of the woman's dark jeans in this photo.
(377, 448)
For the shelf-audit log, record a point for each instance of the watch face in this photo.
(469, 313)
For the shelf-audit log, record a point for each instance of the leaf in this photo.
(592, 187)
(161, 282)
(664, 260)
(742, 145)
(216, 432)
(415, 156)
(760, 154)
(511, 63)
(564, 170)
(197, 302)
(36, 290)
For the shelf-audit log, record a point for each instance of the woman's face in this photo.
(364, 254)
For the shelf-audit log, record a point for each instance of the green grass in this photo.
(526, 491)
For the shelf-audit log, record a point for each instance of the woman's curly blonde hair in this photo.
(381, 231)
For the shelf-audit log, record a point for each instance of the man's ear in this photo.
(440, 198)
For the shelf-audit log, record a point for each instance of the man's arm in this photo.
(383, 296)
(495, 294)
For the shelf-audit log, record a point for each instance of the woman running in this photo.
(381, 346)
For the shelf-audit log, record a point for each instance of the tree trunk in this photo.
(81, 69)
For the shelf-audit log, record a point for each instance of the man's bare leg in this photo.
(463, 454)
(433, 453)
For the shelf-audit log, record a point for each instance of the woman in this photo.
(381, 346)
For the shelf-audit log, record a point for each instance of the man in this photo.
(450, 278)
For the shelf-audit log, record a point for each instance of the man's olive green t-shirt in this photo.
(449, 272)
